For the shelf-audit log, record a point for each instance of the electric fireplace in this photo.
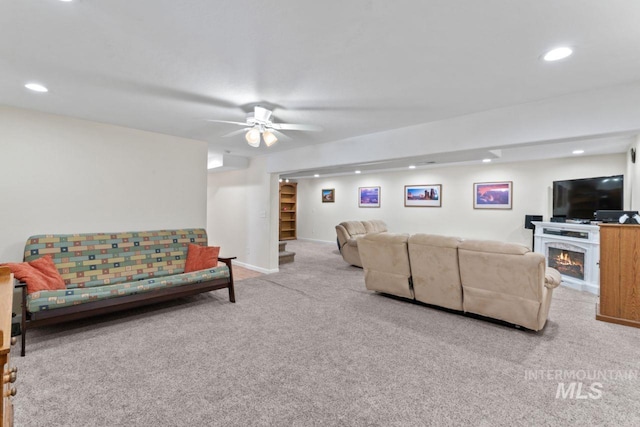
(573, 250)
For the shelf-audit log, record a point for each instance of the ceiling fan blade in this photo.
(235, 132)
(281, 136)
(291, 126)
(227, 121)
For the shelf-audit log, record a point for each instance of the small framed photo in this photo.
(492, 195)
(369, 197)
(328, 195)
(423, 195)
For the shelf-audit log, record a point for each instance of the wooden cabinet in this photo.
(8, 374)
(288, 203)
(619, 274)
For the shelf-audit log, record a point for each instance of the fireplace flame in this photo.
(568, 264)
(565, 259)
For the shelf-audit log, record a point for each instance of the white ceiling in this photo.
(351, 67)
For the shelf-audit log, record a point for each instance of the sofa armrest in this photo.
(342, 235)
(552, 278)
(352, 242)
(226, 260)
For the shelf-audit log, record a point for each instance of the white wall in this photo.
(243, 215)
(633, 171)
(63, 175)
(532, 183)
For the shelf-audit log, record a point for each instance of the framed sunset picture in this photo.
(492, 195)
(369, 197)
(423, 195)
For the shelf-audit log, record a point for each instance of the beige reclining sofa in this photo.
(504, 281)
(349, 232)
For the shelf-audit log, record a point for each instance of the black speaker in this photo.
(529, 218)
(559, 219)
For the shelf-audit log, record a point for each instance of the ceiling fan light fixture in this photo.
(253, 137)
(269, 138)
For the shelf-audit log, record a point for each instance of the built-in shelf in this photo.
(288, 195)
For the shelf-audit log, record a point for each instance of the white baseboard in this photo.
(254, 268)
(317, 241)
(587, 287)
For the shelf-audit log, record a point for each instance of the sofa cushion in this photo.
(39, 275)
(385, 260)
(201, 257)
(374, 226)
(509, 268)
(494, 247)
(49, 300)
(354, 227)
(435, 270)
(96, 259)
(504, 281)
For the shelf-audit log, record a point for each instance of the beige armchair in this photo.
(506, 281)
(349, 232)
(385, 259)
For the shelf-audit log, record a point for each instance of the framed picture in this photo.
(328, 195)
(492, 195)
(369, 197)
(423, 195)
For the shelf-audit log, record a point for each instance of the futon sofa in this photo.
(106, 272)
(504, 281)
(349, 232)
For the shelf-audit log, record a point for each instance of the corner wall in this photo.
(64, 175)
(532, 183)
(242, 215)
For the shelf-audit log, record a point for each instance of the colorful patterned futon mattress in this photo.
(48, 300)
(107, 265)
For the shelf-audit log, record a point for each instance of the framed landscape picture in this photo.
(492, 195)
(423, 195)
(328, 195)
(369, 197)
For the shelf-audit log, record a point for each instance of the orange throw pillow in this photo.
(201, 257)
(39, 275)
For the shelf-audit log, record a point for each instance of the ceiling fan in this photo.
(259, 124)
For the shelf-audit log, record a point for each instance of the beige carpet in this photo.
(310, 346)
(241, 273)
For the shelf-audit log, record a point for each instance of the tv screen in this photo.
(581, 198)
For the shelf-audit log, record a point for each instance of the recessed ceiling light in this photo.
(316, 175)
(66, 0)
(557, 54)
(486, 160)
(578, 151)
(412, 167)
(36, 87)
(357, 171)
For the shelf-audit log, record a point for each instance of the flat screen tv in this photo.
(581, 198)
